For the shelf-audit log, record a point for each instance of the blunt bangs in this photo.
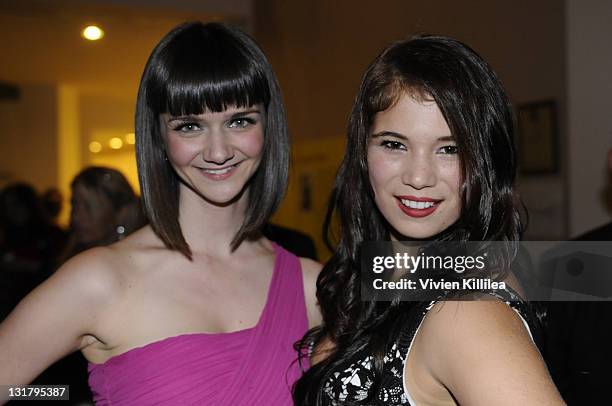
(206, 70)
(198, 68)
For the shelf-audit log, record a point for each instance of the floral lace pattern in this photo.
(354, 385)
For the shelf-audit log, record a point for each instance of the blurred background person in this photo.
(31, 243)
(52, 203)
(579, 334)
(105, 209)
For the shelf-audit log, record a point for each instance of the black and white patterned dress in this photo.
(353, 384)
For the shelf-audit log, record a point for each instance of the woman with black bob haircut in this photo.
(197, 307)
(430, 159)
(180, 82)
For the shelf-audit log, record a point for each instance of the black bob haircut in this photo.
(201, 67)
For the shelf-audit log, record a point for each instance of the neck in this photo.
(410, 247)
(209, 228)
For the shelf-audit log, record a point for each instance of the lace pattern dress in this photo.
(354, 383)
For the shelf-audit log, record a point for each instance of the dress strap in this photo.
(269, 354)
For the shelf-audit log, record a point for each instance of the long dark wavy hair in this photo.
(478, 113)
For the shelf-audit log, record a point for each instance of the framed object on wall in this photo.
(538, 141)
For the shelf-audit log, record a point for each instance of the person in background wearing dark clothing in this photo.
(31, 243)
(292, 240)
(579, 336)
(52, 203)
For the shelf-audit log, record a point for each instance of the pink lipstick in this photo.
(221, 173)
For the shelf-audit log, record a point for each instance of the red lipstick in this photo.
(417, 212)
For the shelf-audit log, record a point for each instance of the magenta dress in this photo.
(256, 366)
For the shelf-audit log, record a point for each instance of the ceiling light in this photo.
(130, 138)
(95, 147)
(92, 33)
(115, 143)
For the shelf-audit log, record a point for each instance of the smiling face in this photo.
(414, 168)
(215, 154)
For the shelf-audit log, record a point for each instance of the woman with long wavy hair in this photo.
(430, 158)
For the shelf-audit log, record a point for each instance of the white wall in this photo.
(589, 109)
(28, 137)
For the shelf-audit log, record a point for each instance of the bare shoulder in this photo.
(473, 318)
(55, 318)
(310, 268)
(91, 279)
(484, 341)
(93, 273)
(310, 272)
(96, 276)
(66, 313)
(138, 251)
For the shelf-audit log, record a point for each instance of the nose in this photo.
(419, 171)
(218, 150)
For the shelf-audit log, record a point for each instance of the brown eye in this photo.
(449, 150)
(187, 127)
(392, 145)
(241, 122)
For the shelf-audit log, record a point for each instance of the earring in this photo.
(120, 232)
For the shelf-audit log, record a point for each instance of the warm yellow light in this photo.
(130, 138)
(95, 147)
(92, 33)
(115, 143)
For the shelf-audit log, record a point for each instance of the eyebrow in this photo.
(389, 134)
(245, 112)
(403, 137)
(192, 117)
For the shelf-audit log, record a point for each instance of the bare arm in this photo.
(481, 352)
(53, 320)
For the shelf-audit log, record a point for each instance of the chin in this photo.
(411, 233)
(418, 230)
(214, 192)
(224, 197)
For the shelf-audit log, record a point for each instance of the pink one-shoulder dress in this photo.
(256, 366)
